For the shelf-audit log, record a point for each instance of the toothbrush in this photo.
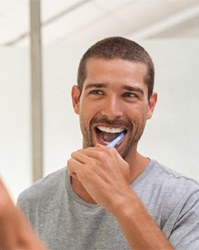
(116, 140)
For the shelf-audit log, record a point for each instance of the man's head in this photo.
(118, 48)
(114, 93)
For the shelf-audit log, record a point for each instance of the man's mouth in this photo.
(107, 134)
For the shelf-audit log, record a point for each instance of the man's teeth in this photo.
(110, 130)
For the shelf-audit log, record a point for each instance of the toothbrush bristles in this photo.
(116, 140)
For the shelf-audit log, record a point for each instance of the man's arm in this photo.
(15, 232)
(137, 225)
(104, 174)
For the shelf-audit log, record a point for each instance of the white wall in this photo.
(15, 128)
(173, 133)
(170, 137)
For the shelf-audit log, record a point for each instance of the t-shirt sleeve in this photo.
(185, 233)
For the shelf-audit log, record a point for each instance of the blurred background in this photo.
(41, 43)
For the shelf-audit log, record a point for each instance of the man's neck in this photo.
(137, 164)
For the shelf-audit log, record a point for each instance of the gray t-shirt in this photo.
(64, 221)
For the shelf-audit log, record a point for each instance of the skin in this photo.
(115, 95)
(15, 232)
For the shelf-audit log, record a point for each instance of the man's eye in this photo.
(129, 94)
(96, 92)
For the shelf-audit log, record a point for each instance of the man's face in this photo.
(114, 99)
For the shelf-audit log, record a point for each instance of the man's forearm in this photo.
(138, 226)
(15, 232)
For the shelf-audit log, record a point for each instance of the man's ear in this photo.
(75, 94)
(152, 104)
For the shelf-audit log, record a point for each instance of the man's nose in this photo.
(112, 108)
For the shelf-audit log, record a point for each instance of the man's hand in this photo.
(103, 173)
(15, 232)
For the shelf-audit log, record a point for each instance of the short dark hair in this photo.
(118, 48)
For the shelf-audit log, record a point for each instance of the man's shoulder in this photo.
(173, 175)
(164, 190)
(173, 181)
(43, 188)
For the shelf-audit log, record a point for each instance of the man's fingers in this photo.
(72, 167)
(98, 152)
(81, 156)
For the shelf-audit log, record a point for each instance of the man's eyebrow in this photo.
(95, 85)
(133, 88)
(125, 87)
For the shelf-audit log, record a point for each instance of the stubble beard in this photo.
(134, 137)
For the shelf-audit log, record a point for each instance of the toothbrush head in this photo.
(116, 140)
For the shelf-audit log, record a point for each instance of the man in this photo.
(113, 197)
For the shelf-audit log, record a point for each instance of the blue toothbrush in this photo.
(116, 140)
